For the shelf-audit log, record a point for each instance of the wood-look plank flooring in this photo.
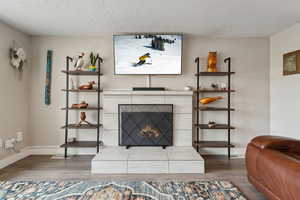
(39, 168)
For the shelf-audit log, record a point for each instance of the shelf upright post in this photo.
(98, 106)
(67, 106)
(197, 103)
(228, 61)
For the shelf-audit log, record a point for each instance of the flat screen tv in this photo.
(148, 53)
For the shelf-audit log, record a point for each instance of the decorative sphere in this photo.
(188, 88)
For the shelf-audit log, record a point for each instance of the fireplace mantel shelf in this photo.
(150, 93)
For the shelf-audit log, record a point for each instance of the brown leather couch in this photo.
(273, 165)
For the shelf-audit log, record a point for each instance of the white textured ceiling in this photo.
(219, 18)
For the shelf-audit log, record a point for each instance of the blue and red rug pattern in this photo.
(50, 190)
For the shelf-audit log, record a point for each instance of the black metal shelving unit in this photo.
(214, 144)
(67, 108)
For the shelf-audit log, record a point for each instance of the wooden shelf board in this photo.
(77, 90)
(213, 91)
(213, 144)
(82, 126)
(217, 126)
(80, 144)
(202, 108)
(88, 108)
(214, 73)
(82, 73)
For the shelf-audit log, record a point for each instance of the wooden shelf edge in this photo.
(88, 108)
(214, 109)
(217, 126)
(80, 144)
(81, 73)
(213, 91)
(214, 73)
(213, 144)
(83, 126)
(77, 90)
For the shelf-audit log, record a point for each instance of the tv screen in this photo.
(148, 54)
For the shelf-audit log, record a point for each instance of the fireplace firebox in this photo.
(146, 125)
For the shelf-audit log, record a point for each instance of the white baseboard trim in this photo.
(56, 150)
(43, 150)
(14, 158)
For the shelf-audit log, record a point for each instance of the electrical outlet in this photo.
(19, 136)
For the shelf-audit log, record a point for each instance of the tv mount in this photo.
(149, 88)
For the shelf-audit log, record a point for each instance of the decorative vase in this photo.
(207, 100)
(92, 68)
(223, 86)
(212, 62)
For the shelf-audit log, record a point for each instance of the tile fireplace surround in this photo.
(179, 158)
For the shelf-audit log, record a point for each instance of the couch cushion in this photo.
(280, 173)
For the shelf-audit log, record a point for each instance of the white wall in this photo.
(284, 90)
(250, 60)
(22, 94)
(14, 88)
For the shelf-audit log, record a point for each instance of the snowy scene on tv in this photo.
(147, 54)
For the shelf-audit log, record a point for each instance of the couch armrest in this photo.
(276, 142)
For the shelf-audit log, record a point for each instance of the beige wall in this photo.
(250, 61)
(284, 90)
(14, 88)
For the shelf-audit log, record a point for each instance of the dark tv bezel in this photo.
(179, 34)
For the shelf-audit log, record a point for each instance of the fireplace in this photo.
(145, 125)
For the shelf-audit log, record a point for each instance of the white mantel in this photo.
(151, 93)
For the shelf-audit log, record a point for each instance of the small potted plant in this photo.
(94, 59)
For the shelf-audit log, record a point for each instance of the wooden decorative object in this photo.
(83, 119)
(211, 124)
(82, 104)
(212, 62)
(207, 100)
(291, 62)
(88, 86)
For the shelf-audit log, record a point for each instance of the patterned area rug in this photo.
(46, 190)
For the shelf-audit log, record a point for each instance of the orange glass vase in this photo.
(212, 62)
(207, 100)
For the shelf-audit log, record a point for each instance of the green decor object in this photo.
(149, 190)
(93, 59)
(48, 77)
